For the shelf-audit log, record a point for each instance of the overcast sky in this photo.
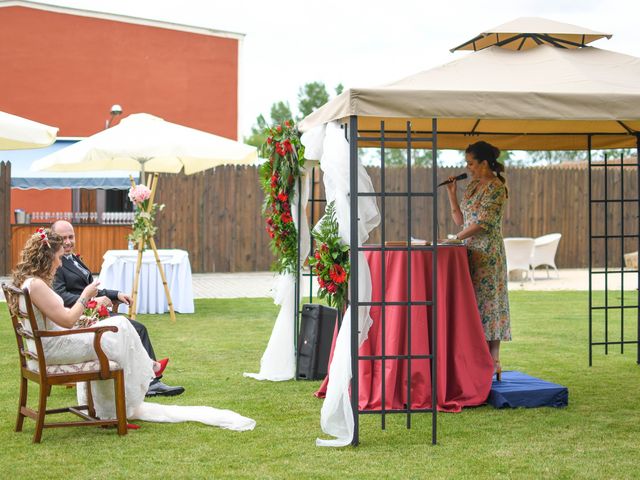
(361, 42)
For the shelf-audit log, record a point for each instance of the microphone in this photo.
(462, 176)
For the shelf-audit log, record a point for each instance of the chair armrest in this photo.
(98, 331)
(74, 331)
(115, 305)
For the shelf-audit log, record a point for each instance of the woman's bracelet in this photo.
(82, 301)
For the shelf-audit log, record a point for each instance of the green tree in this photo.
(257, 137)
(280, 112)
(310, 97)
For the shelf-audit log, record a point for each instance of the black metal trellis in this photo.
(605, 203)
(354, 138)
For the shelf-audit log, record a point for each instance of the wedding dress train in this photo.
(125, 348)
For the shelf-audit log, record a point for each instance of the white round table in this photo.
(118, 270)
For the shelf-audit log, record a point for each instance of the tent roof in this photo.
(545, 98)
(24, 178)
(529, 32)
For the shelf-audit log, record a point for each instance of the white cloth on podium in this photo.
(118, 271)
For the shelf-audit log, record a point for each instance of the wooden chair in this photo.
(33, 366)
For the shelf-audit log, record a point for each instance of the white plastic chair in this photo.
(544, 252)
(519, 252)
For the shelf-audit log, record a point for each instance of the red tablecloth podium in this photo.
(465, 367)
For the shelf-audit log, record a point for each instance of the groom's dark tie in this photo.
(83, 270)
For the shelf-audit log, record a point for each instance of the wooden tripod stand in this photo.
(141, 245)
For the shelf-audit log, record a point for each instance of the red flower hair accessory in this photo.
(43, 236)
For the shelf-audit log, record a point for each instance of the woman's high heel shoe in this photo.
(163, 365)
(498, 371)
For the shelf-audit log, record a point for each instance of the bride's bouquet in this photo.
(91, 314)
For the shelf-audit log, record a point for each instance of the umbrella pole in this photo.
(152, 244)
(136, 279)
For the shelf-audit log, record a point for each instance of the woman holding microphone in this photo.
(480, 215)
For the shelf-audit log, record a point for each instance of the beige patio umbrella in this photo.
(144, 142)
(19, 133)
(529, 32)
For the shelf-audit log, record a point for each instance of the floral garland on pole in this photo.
(144, 218)
(278, 178)
(330, 261)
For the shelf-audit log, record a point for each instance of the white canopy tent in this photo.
(544, 98)
(529, 32)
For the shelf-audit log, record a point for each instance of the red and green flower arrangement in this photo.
(330, 261)
(91, 314)
(278, 177)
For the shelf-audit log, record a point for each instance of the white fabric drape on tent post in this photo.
(328, 143)
(278, 362)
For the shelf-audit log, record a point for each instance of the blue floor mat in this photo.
(518, 389)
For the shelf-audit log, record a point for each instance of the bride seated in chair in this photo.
(39, 261)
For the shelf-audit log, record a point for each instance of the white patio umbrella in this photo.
(19, 133)
(143, 142)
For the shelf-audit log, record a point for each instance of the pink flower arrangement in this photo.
(139, 194)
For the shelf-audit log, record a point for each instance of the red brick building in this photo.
(66, 67)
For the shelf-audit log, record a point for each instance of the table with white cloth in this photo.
(118, 270)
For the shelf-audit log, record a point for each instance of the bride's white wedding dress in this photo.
(125, 348)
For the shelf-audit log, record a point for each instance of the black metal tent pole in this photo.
(590, 189)
(434, 283)
(296, 324)
(353, 287)
(622, 253)
(638, 239)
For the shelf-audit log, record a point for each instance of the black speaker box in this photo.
(314, 341)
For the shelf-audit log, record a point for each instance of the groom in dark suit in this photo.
(71, 279)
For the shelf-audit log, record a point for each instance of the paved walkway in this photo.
(258, 284)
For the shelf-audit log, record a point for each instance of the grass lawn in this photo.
(597, 436)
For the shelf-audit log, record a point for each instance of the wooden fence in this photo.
(5, 217)
(215, 215)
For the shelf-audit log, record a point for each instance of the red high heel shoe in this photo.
(133, 426)
(163, 365)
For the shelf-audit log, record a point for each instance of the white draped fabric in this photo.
(154, 412)
(278, 363)
(328, 144)
(118, 269)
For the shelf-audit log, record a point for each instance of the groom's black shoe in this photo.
(157, 388)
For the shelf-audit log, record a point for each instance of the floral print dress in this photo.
(483, 204)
